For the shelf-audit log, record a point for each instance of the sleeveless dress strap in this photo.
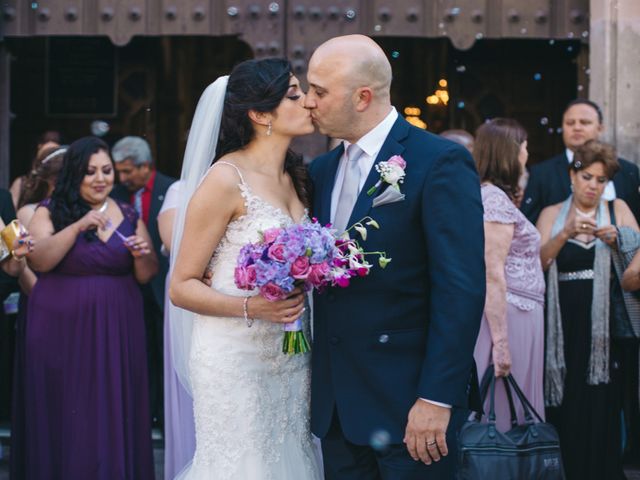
(222, 162)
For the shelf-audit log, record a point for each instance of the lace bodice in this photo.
(523, 271)
(251, 402)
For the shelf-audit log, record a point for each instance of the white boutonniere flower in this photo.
(391, 172)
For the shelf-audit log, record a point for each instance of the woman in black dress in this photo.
(582, 363)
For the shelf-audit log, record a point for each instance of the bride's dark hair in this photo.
(67, 205)
(258, 85)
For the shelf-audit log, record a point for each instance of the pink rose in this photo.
(271, 234)
(276, 252)
(317, 273)
(397, 160)
(272, 292)
(251, 276)
(241, 278)
(300, 268)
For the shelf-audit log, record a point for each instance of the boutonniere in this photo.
(391, 172)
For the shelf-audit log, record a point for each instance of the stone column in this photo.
(615, 71)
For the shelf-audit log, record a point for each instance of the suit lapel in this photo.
(390, 147)
(327, 185)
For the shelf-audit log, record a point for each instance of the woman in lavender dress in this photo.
(512, 331)
(86, 398)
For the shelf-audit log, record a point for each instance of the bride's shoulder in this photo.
(224, 173)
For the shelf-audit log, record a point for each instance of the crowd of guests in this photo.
(551, 319)
(89, 351)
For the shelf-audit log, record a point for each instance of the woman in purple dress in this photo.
(86, 398)
(512, 331)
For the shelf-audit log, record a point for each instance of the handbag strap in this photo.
(487, 379)
(526, 405)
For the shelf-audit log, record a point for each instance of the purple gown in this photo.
(86, 393)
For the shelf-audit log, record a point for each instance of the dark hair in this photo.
(594, 151)
(584, 101)
(496, 150)
(49, 136)
(36, 184)
(67, 206)
(258, 85)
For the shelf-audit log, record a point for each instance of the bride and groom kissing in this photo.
(391, 375)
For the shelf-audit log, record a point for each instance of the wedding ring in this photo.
(431, 444)
(584, 226)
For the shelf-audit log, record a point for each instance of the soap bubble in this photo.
(544, 121)
(380, 439)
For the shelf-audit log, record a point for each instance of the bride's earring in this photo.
(269, 129)
(572, 186)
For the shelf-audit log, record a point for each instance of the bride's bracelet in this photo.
(245, 310)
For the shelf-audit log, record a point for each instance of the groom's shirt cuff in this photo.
(440, 404)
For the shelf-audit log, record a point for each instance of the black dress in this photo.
(589, 419)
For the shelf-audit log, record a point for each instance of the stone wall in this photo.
(615, 71)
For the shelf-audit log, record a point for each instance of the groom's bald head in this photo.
(350, 80)
(359, 59)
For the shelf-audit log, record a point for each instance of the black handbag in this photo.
(526, 452)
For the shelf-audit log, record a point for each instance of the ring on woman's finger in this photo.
(431, 444)
(584, 226)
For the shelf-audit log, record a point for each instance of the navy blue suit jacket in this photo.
(407, 331)
(549, 183)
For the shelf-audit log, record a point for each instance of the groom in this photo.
(393, 354)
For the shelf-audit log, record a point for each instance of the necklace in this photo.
(589, 214)
(103, 207)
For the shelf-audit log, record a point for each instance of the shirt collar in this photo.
(148, 187)
(569, 154)
(372, 141)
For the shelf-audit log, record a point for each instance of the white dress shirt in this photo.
(370, 144)
(609, 191)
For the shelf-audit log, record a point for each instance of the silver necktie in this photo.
(350, 189)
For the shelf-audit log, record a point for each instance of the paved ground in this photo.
(158, 452)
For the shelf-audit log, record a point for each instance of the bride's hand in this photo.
(280, 311)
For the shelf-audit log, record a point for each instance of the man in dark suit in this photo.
(549, 180)
(144, 187)
(393, 354)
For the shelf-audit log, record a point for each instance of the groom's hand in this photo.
(425, 435)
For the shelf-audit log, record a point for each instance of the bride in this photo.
(251, 402)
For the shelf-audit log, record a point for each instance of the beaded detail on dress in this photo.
(523, 272)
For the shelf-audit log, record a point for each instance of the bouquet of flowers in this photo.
(308, 255)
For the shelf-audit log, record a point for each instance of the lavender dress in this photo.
(86, 394)
(525, 308)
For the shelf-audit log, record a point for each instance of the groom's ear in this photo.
(261, 118)
(363, 97)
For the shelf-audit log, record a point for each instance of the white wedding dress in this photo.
(251, 401)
